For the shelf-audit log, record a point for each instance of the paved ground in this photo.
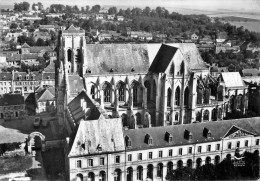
(37, 164)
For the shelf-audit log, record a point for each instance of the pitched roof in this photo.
(117, 58)
(163, 58)
(78, 112)
(25, 45)
(76, 84)
(98, 136)
(73, 29)
(218, 130)
(48, 75)
(36, 75)
(50, 67)
(46, 95)
(5, 76)
(38, 49)
(232, 79)
(11, 99)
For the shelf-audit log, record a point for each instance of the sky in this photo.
(237, 5)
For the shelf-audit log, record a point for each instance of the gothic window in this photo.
(92, 91)
(182, 68)
(148, 87)
(198, 116)
(169, 97)
(199, 95)
(136, 87)
(206, 115)
(239, 101)
(124, 119)
(77, 56)
(219, 113)
(177, 96)
(69, 53)
(207, 93)
(121, 91)
(176, 116)
(138, 119)
(154, 91)
(186, 97)
(231, 103)
(107, 92)
(214, 115)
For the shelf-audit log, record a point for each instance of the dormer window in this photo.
(19, 77)
(48, 77)
(187, 135)
(168, 137)
(206, 133)
(27, 77)
(148, 139)
(128, 141)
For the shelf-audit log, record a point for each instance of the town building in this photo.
(12, 106)
(45, 100)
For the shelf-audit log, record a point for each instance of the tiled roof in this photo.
(73, 29)
(50, 67)
(14, 57)
(29, 56)
(11, 99)
(48, 75)
(38, 49)
(45, 95)
(232, 79)
(98, 136)
(218, 130)
(5, 76)
(117, 58)
(36, 75)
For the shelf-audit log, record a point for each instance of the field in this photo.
(251, 26)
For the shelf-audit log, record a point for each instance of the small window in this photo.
(190, 150)
(199, 149)
(257, 142)
(180, 151)
(102, 161)
(229, 145)
(90, 162)
(160, 154)
(150, 155)
(78, 163)
(150, 141)
(170, 138)
(209, 148)
(129, 157)
(246, 143)
(117, 159)
(140, 156)
(217, 147)
(170, 152)
(238, 144)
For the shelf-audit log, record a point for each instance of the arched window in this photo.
(169, 97)
(198, 162)
(214, 115)
(160, 170)
(177, 96)
(136, 87)
(208, 160)
(93, 91)
(239, 102)
(148, 87)
(77, 56)
(107, 92)
(217, 160)
(139, 173)
(91, 176)
(180, 164)
(138, 118)
(182, 68)
(231, 103)
(121, 91)
(186, 96)
(220, 113)
(199, 95)
(154, 91)
(198, 116)
(206, 115)
(124, 120)
(69, 55)
(189, 163)
(102, 176)
(176, 117)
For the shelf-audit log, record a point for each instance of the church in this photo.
(118, 90)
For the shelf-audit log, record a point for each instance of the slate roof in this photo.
(77, 112)
(106, 134)
(45, 75)
(50, 67)
(45, 95)
(163, 58)
(218, 130)
(5, 76)
(14, 57)
(232, 79)
(29, 56)
(25, 45)
(117, 58)
(11, 99)
(38, 49)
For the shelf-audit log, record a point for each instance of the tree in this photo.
(40, 42)
(13, 26)
(112, 10)
(87, 9)
(23, 6)
(95, 8)
(182, 173)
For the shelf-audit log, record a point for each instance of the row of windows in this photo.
(160, 153)
(90, 162)
(27, 83)
(4, 83)
(190, 150)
